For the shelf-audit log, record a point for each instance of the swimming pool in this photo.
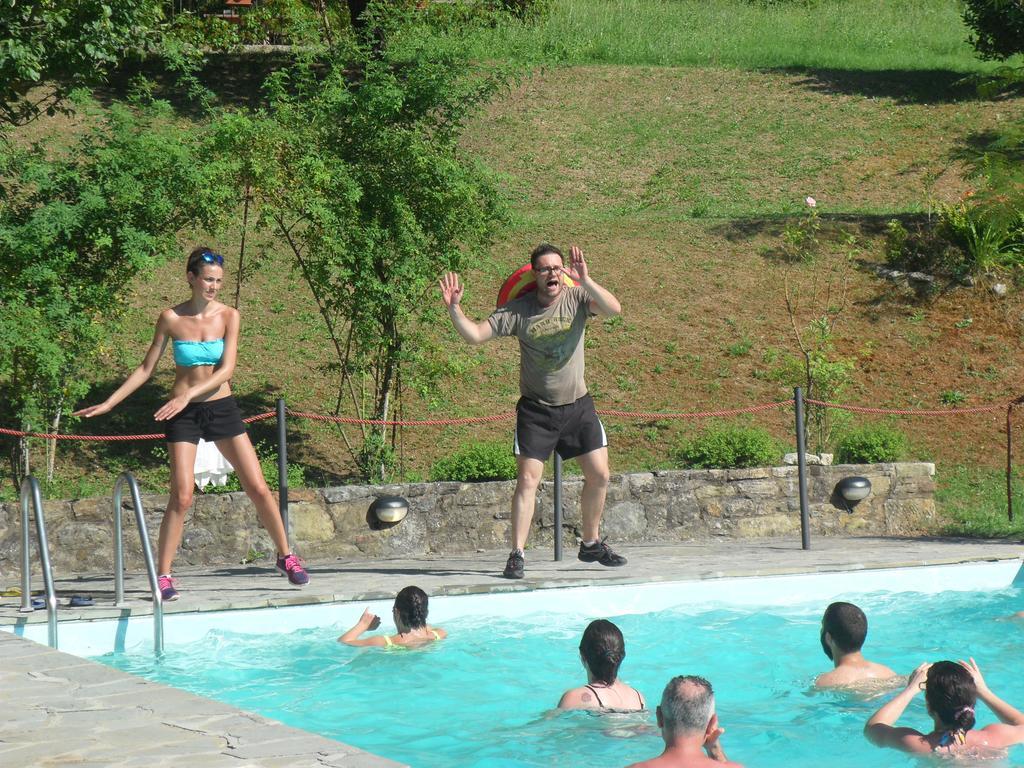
(483, 697)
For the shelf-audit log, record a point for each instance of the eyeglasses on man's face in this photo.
(548, 270)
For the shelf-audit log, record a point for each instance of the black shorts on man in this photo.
(210, 420)
(572, 430)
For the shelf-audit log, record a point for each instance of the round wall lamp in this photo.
(853, 489)
(389, 509)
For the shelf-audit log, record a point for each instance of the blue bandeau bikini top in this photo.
(193, 353)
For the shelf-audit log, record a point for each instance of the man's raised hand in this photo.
(577, 265)
(451, 289)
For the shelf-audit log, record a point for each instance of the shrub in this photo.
(990, 232)
(871, 444)
(477, 462)
(729, 447)
(921, 246)
(529, 10)
(998, 27)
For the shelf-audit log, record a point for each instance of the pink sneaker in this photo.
(167, 586)
(291, 566)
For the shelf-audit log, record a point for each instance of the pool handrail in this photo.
(30, 488)
(126, 478)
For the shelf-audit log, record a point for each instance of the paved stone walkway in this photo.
(61, 710)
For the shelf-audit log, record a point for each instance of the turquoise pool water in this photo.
(484, 697)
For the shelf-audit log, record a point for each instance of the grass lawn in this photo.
(867, 35)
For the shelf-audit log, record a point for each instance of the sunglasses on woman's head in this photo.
(212, 258)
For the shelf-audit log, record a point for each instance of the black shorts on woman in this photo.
(210, 420)
(572, 429)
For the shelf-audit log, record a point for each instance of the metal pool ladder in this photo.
(126, 478)
(30, 490)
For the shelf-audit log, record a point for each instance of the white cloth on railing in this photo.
(211, 466)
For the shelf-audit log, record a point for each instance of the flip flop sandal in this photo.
(79, 601)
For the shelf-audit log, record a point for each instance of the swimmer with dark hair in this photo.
(410, 616)
(844, 627)
(602, 650)
(951, 690)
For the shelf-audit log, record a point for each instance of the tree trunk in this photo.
(241, 248)
(320, 6)
(51, 445)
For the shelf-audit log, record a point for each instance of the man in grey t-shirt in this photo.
(555, 412)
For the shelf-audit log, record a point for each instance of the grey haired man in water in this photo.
(689, 726)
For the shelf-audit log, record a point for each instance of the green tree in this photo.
(76, 227)
(50, 47)
(997, 26)
(356, 166)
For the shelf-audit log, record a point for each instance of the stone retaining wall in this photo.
(444, 518)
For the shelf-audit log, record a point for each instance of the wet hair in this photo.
(686, 705)
(847, 624)
(603, 648)
(411, 604)
(950, 693)
(543, 250)
(196, 262)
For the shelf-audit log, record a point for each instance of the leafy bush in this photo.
(998, 27)
(729, 447)
(871, 444)
(477, 462)
(528, 10)
(990, 232)
(921, 246)
(973, 236)
(489, 13)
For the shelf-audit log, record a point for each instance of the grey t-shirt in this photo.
(550, 344)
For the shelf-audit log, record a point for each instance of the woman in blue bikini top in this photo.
(204, 337)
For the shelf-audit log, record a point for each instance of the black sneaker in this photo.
(599, 552)
(514, 566)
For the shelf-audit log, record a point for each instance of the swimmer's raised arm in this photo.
(881, 729)
(1006, 712)
(367, 623)
(712, 741)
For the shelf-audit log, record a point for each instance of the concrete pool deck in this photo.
(62, 710)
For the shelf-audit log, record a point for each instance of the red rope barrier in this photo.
(114, 438)
(910, 411)
(639, 415)
(389, 423)
(649, 416)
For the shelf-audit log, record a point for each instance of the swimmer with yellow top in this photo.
(410, 616)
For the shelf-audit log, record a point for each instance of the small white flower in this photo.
(811, 201)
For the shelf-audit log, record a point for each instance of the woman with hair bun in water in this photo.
(410, 615)
(951, 690)
(602, 650)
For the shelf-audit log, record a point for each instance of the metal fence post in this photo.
(558, 506)
(801, 463)
(282, 464)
